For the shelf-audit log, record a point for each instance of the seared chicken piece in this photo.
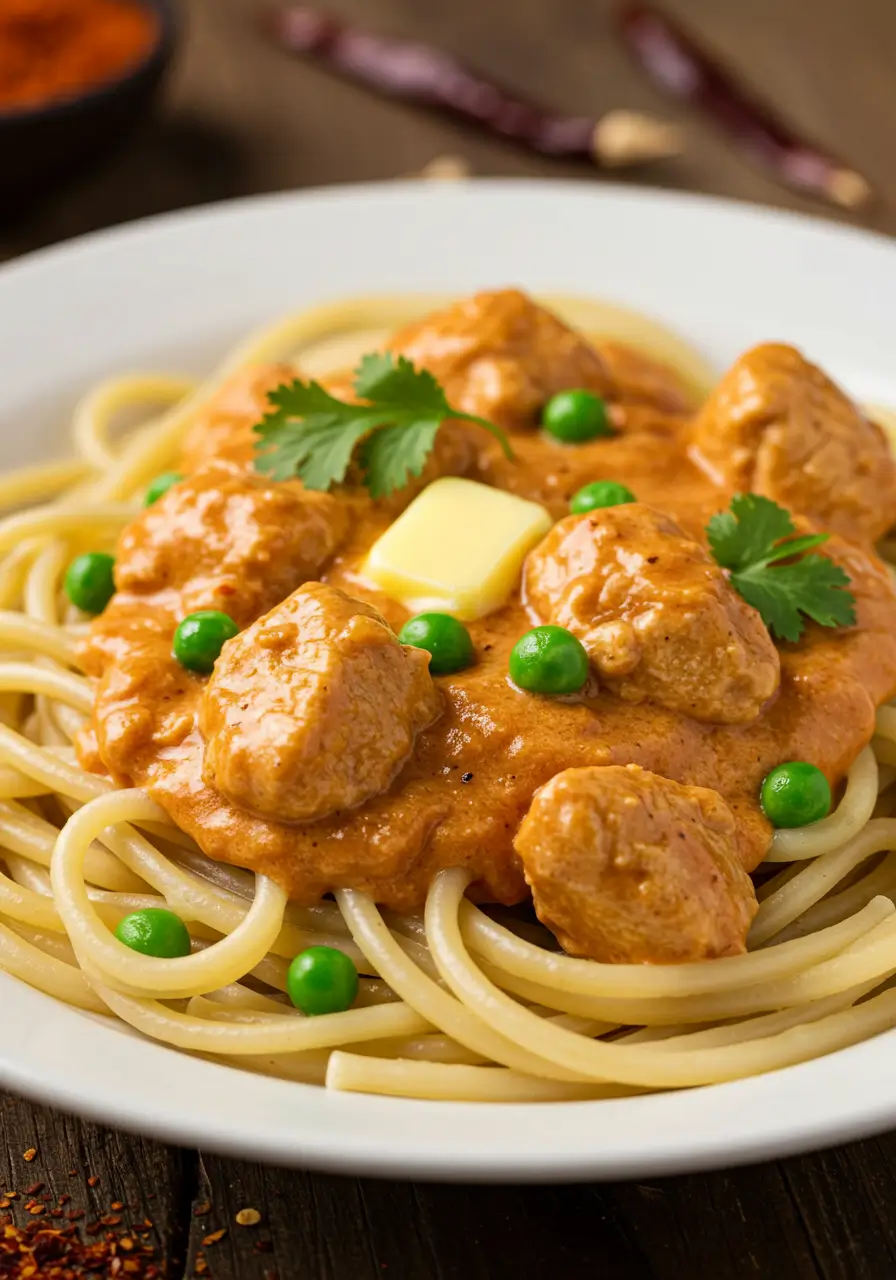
(314, 709)
(776, 425)
(223, 428)
(228, 539)
(628, 867)
(655, 613)
(502, 356)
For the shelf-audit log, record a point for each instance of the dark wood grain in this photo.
(238, 118)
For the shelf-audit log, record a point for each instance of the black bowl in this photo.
(39, 144)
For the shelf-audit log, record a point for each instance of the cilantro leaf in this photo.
(747, 531)
(391, 456)
(750, 539)
(813, 586)
(310, 434)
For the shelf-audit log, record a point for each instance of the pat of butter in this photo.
(458, 548)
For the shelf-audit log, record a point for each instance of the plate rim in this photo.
(33, 1072)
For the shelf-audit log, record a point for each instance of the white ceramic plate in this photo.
(173, 293)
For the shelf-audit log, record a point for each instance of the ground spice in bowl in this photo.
(51, 50)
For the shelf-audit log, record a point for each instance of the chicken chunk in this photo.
(222, 430)
(228, 539)
(314, 709)
(776, 425)
(628, 867)
(502, 356)
(655, 613)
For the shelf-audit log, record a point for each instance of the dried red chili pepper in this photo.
(421, 74)
(678, 64)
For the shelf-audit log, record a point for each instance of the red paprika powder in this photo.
(53, 49)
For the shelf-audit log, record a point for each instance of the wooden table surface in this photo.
(238, 118)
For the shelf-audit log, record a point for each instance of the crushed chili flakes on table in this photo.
(43, 1248)
(29, 1154)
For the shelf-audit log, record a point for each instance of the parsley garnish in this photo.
(750, 539)
(310, 434)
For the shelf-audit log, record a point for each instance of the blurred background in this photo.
(235, 114)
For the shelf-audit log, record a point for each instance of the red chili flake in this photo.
(93, 1180)
(201, 1209)
(215, 1236)
(29, 1155)
(34, 1188)
(74, 1214)
(35, 1209)
(4, 1203)
(147, 1223)
(126, 1243)
(116, 1205)
(11, 1195)
(55, 1213)
(94, 1228)
(64, 1198)
(200, 1266)
(73, 1173)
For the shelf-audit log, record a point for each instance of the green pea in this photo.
(795, 794)
(576, 416)
(322, 980)
(90, 581)
(601, 493)
(201, 636)
(549, 660)
(446, 640)
(155, 931)
(158, 487)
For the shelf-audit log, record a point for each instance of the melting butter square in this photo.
(458, 548)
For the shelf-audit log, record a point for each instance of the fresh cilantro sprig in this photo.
(750, 540)
(310, 434)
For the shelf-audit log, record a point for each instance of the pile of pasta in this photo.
(458, 1002)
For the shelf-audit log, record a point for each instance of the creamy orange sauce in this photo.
(461, 796)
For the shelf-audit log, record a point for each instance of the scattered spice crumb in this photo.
(214, 1237)
(116, 1205)
(73, 1173)
(74, 1215)
(64, 1198)
(36, 1209)
(5, 1203)
(111, 1219)
(29, 1155)
(248, 1217)
(34, 1188)
(202, 1208)
(200, 1266)
(93, 1180)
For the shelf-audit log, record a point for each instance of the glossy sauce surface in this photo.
(461, 796)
